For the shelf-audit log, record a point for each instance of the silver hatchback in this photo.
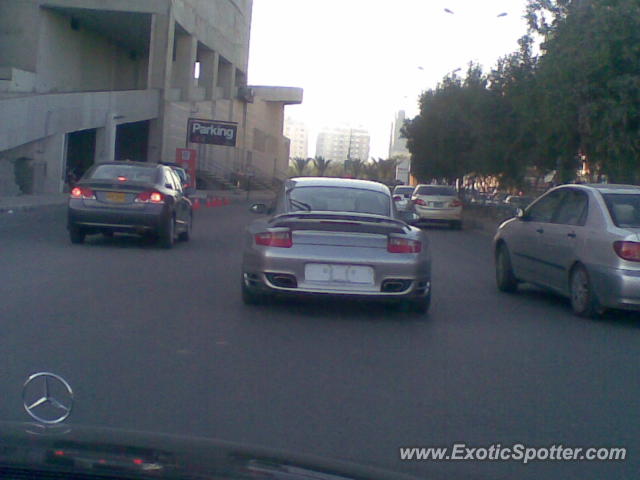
(336, 237)
(582, 241)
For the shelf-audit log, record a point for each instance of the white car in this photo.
(438, 203)
(402, 197)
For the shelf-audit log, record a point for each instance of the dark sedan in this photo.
(130, 197)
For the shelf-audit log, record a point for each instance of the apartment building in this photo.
(86, 81)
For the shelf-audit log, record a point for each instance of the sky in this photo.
(360, 61)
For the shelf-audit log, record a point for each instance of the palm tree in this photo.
(371, 170)
(387, 170)
(299, 165)
(356, 167)
(321, 165)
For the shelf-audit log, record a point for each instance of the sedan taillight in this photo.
(280, 239)
(397, 198)
(419, 201)
(628, 250)
(83, 192)
(455, 203)
(403, 245)
(149, 197)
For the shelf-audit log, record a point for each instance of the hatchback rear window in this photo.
(130, 172)
(436, 190)
(624, 209)
(339, 199)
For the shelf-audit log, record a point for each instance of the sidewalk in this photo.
(21, 203)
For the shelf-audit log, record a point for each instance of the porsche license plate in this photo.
(345, 274)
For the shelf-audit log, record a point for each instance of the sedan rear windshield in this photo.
(436, 191)
(339, 199)
(624, 209)
(131, 172)
(403, 190)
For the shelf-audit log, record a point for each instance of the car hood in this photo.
(90, 453)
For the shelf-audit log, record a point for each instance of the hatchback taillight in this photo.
(455, 203)
(280, 239)
(83, 192)
(149, 197)
(419, 201)
(403, 245)
(628, 250)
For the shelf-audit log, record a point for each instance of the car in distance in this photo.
(580, 241)
(402, 198)
(335, 237)
(131, 197)
(187, 183)
(438, 203)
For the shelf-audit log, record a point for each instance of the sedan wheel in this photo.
(250, 296)
(505, 279)
(168, 233)
(76, 234)
(583, 300)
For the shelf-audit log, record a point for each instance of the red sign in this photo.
(188, 159)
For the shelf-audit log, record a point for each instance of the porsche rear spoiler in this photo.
(341, 222)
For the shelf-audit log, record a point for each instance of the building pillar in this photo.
(209, 61)
(106, 142)
(54, 157)
(159, 76)
(186, 52)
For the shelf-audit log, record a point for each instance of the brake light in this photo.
(149, 197)
(628, 250)
(274, 239)
(419, 201)
(455, 203)
(122, 179)
(397, 198)
(82, 192)
(403, 245)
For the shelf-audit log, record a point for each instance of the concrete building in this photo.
(398, 149)
(85, 81)
(297, 133)
(342, 143)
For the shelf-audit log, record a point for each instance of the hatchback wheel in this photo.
(583, 300)
(250, 296)
(421, 305)
(505, 279)
(168, 233)
(76, 234)
(186, 235)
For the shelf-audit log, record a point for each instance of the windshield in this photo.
(130, 172)
(624, 209)
(198, 233)
(403, 190)
(339, 199)
(436, 191)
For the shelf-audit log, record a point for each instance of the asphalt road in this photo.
(160, 341)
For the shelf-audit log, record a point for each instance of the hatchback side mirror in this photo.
(258, 208)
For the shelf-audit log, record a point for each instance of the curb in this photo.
(28, 208)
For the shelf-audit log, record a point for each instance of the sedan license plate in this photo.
(347, 274)
(437, 204)
(116, 197)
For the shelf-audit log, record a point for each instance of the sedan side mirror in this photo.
(258, 208)
(520, 214)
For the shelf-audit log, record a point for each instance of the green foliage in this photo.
(321, 165)
(298, 166)
(580, 96)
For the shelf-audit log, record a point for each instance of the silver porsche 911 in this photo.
(335, 237)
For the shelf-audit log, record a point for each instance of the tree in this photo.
(321, 165)
(299, 165)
